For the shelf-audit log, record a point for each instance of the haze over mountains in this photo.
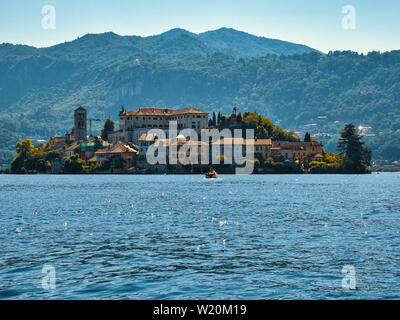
(214, 71)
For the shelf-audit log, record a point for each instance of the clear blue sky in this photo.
(311, 22)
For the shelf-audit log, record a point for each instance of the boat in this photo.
(212, 174)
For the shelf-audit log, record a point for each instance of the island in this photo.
(123, 150)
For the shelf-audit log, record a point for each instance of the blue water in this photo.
(184, 237)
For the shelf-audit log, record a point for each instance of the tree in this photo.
(109, 127)
(53, 155)
(239, 118)
(214, 120)
(24, 149)
(74, 165)
(357, 158)
(307, 137)
(31, 158)
(235, 109)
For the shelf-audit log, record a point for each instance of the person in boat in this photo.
(211, 173)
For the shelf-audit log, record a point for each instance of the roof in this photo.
(162, 142)
(243, 141)
(120, 147)
(73, 146)
(161, 112)
(318, 155)
(147, 137)
(295, 145)
(263, 142)
(190, 143)
(94, 145)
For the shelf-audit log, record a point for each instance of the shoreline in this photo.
(183, 174)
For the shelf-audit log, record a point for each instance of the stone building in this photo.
(132, 124)
(80, 124)
(312, 151)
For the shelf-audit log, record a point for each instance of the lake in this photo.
(184, 237)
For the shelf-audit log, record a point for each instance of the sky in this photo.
(318, 24)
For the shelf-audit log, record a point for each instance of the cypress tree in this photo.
(214, 120)
(357, 158)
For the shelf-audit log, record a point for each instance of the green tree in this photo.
(357, 158)
(24, 150)
(74, 165)
(31, 158)
(53, 155)
(214, 120)
(109, 127)
(307, 137)
(239, 118)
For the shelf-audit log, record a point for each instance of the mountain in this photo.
(40, 87)
(244, 44)
(239, 43)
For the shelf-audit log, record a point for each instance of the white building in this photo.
(132, 124)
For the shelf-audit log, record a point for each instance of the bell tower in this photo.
(80, 124)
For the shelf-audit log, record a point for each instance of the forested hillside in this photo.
(40, 88)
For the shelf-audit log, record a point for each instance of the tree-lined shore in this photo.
(352, 157)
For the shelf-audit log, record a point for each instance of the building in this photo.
(120, 157)
(80, 124)
(132, 124)
(290, 150)
(73, 148)
(261, 147)
(89, 148)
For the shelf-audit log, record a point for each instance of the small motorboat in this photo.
(212, 174)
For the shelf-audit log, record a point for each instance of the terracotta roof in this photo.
(159, 142)
(73, 146)
(118, 148)
(162, 112)
(263, 142)
(318, 155)
(190, 143)
(147, 137)
(241, 141)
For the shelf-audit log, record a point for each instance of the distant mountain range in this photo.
(214, 71)
(239, 43)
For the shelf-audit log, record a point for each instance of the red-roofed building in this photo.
(132, 124)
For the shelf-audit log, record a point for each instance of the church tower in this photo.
(80, 127)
